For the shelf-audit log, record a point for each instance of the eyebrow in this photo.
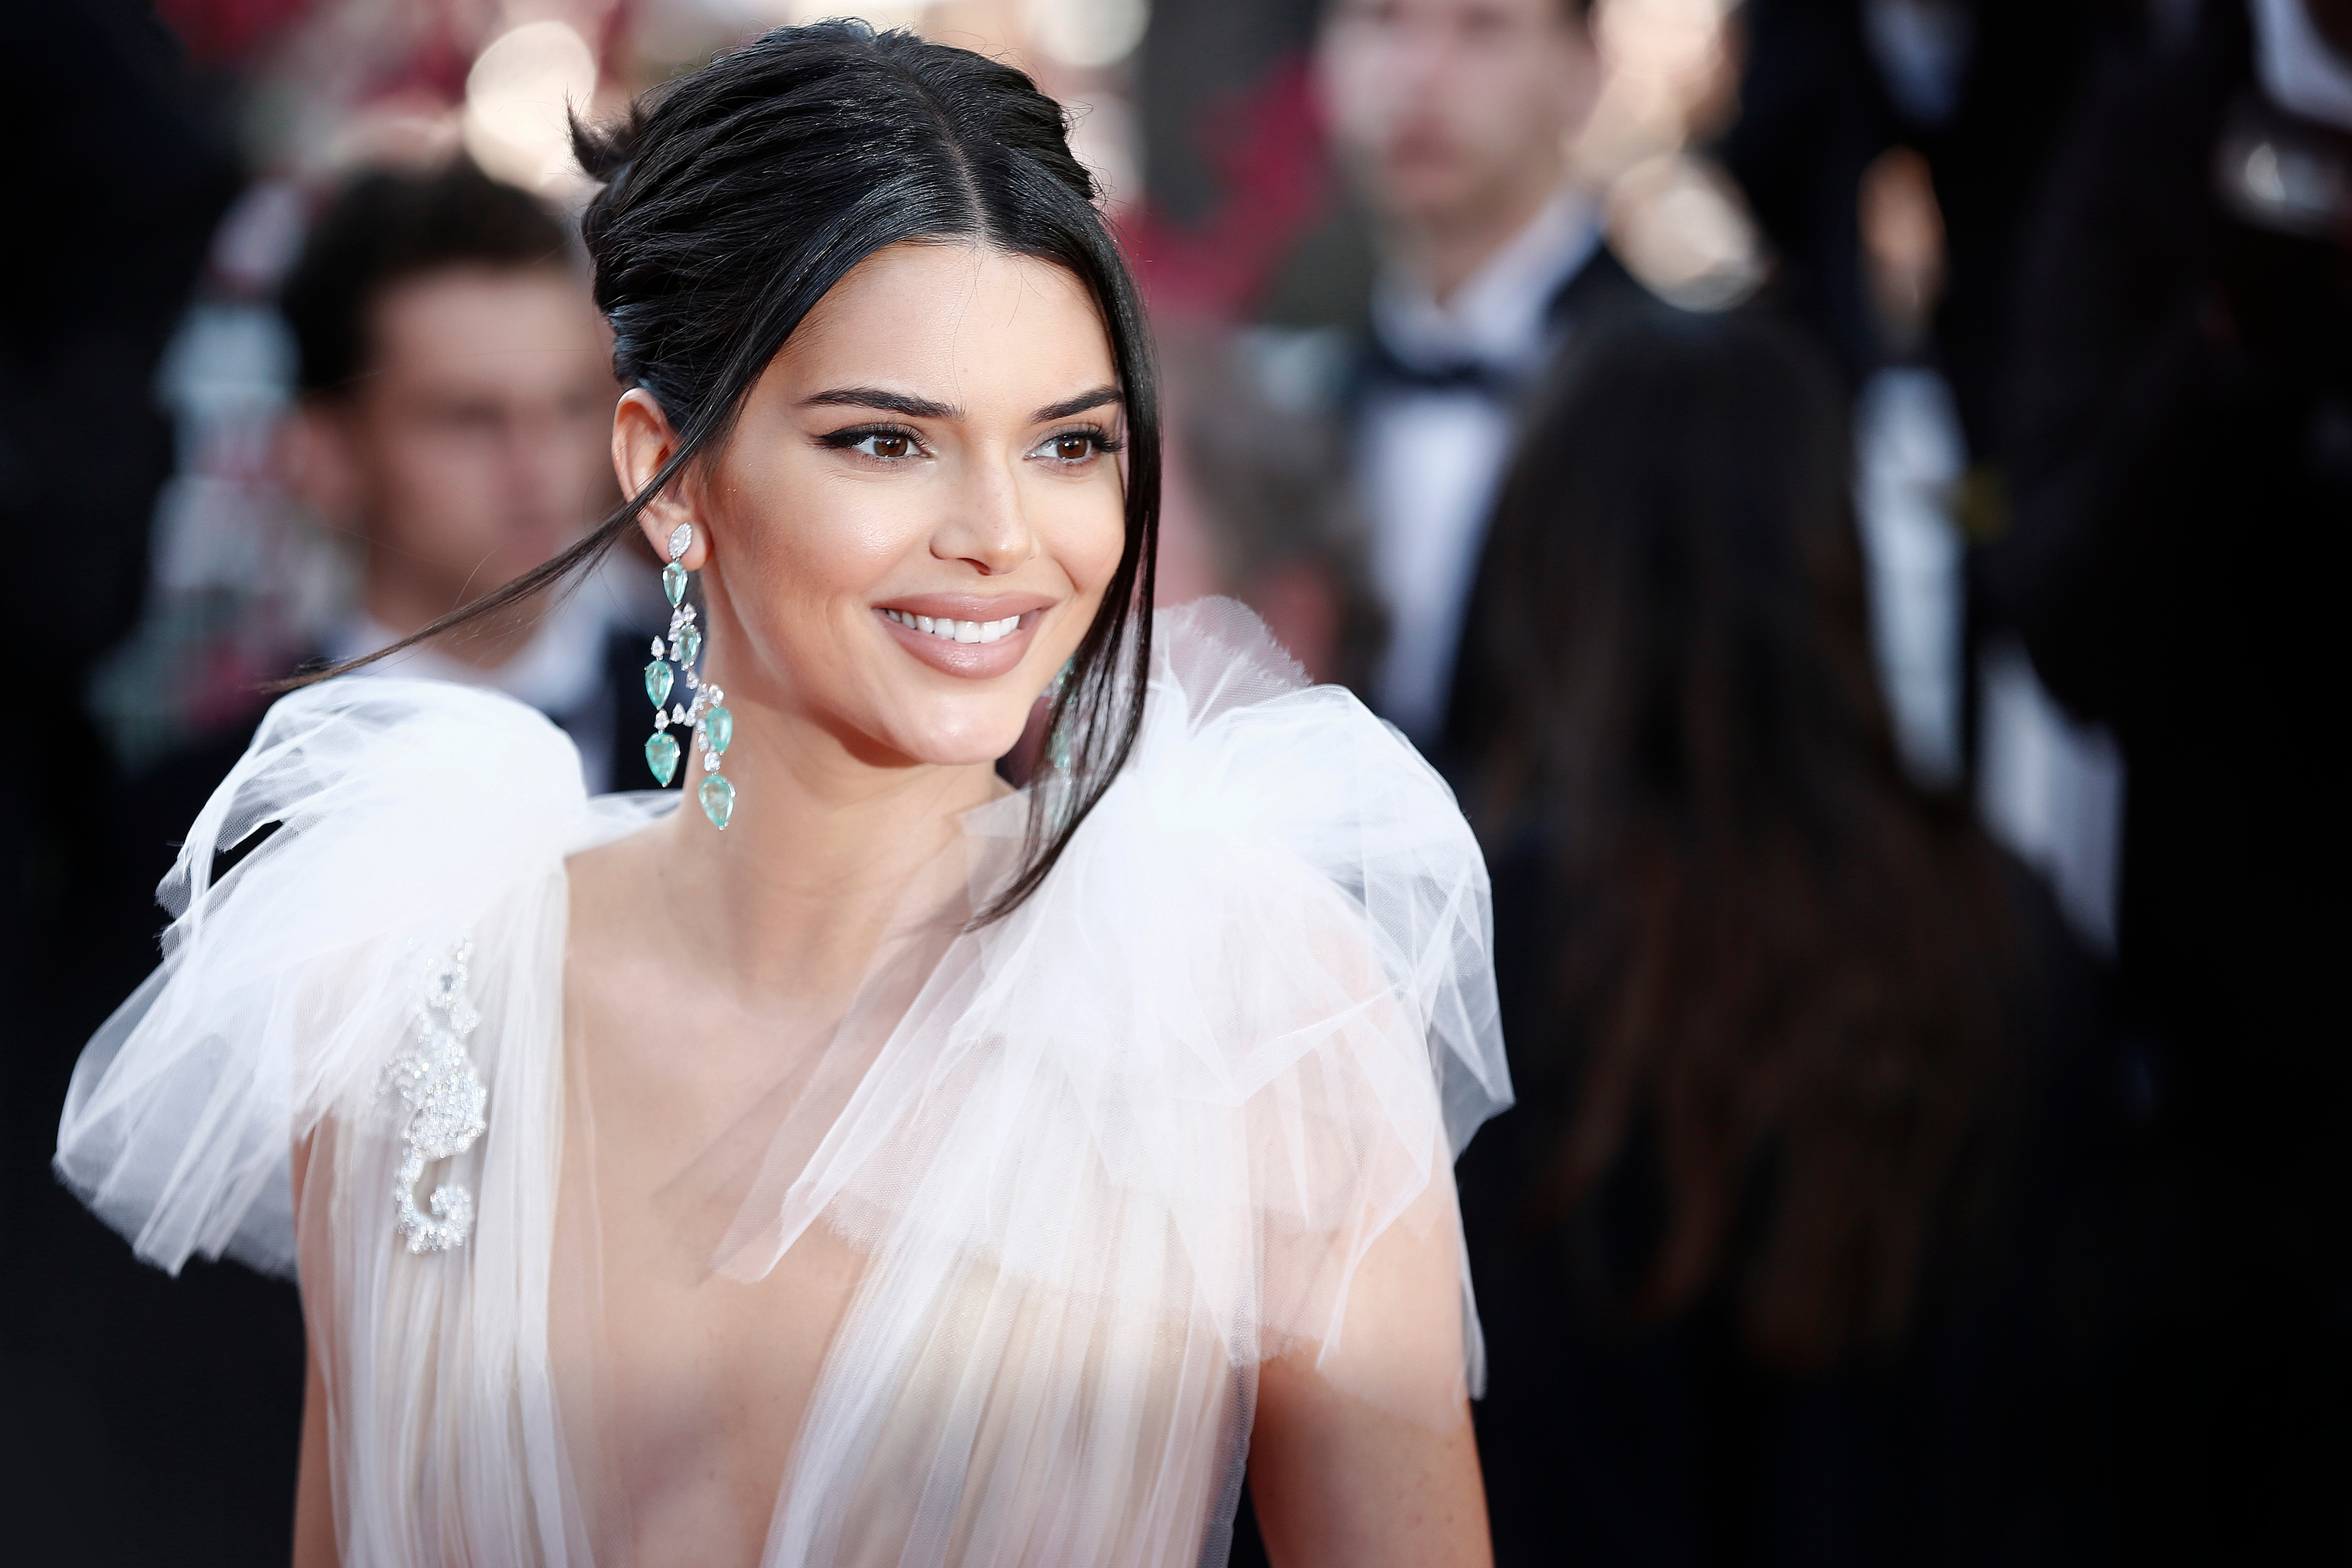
(904, 403)
(1096, 398)
(915, 407)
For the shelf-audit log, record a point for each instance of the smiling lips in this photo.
(965, 635)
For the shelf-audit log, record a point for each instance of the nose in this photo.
(986, 526)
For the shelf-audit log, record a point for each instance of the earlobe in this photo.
(643, 442)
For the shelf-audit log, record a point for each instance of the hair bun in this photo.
(605, 151)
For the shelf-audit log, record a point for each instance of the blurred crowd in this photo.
(1835, 485)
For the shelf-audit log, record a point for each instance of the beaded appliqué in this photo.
(445, 1096)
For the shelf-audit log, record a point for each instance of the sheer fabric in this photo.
(1076, 1172)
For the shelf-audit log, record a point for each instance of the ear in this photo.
(319, 462)
(642, 442)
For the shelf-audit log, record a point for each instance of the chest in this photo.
(687, 1386)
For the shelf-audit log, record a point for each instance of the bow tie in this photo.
(1450, 376)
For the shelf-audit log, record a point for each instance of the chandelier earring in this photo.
(710, 724)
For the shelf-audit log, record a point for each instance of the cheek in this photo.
(806, 540)
(432, 477)
(1089, 543)
(1358, 93)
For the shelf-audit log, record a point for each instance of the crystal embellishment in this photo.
(658, 679)
(688, 643)
(680, 539)
(445, 1099)
(674, 581)
(718, 799)
(718, 727)
(661, 756)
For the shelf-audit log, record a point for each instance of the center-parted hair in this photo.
(735, 197)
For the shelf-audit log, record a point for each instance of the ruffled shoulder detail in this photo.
(367, 828)
(1192, 1105)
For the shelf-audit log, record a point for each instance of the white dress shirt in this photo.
(559, 671)
(1429, 457)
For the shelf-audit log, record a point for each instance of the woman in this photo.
(1782, 1251)
(858, 1163)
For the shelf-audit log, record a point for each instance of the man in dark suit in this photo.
(1452, 119)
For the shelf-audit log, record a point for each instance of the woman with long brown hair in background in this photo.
(1811, 1104)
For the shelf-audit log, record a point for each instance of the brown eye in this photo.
(891, 447)
(1074, 449)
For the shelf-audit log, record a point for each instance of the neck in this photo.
(1445, 253)
(788, 904)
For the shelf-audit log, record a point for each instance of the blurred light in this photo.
(516, 100)
(881, 17)
(1680, 227)
(2275, 180)
(1086, 35)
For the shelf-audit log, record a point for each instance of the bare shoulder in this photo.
(612, 887)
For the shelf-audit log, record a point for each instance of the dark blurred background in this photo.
(1837, 484)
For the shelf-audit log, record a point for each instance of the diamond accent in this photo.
(681, 539)
(445, 1099)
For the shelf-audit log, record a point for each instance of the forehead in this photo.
(483, 323)
(956, 321)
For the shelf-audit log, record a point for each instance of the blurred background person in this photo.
(2180, 463)
(1791, 1249)
(455, 413)
(1452, 121)
(451, 427)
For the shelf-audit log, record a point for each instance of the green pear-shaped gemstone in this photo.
(719, 728)
(718, 799)
(674, 581)
(689, 646)
(661, 756)
(657, 681)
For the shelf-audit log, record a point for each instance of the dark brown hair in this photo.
(385, 226)
(737, 196)
(1778, 964)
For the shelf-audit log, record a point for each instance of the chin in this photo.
(958, 745)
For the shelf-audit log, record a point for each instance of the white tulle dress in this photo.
(1194, 1105)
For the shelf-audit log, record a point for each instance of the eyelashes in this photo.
(910, 445)
(1105, 444)
(900, 442)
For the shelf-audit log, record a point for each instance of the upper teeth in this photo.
(957, 631)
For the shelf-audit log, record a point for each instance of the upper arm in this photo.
(315, 1545)
(314, 1504)
(1343, 1483)
(1362, 1450)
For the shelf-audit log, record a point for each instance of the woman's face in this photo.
(915, 519)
